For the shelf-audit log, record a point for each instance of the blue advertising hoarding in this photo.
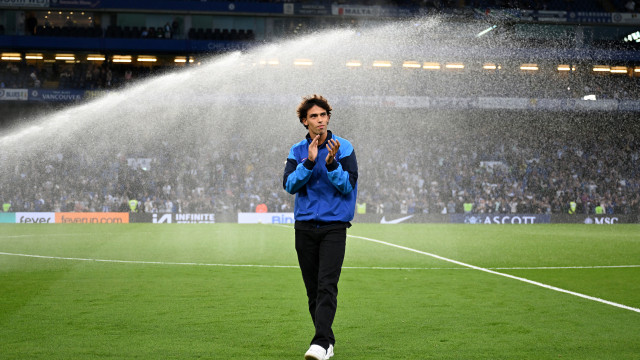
(500, 219)
(55, 95)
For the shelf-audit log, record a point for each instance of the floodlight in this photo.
(34, 56)
(11, 56)
(182, 59)
(411, 65)
(381, 63)
(529, 67)
(65, 57)
(147, 58)
(95, 57)
(121, 58)
(601, 68)
(454, 66)
(619, 70)
(431, 66)
(302, 62)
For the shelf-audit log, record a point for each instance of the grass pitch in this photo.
(228, 291)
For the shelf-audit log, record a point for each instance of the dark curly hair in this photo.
(308, 102)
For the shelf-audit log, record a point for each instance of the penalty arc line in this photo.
(536, 283)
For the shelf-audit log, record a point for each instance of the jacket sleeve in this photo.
(343, 174)
(296, 175)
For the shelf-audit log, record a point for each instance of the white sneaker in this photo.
(329, 352)
(316, 352)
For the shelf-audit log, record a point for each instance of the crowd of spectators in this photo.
(520, 165)
(78, 76)
(517, 164)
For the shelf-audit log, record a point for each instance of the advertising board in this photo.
(501, 219)
(35, 218)
(14, 94)
(594, 219)
(265, 218)
(194, 218)
(173, 218)
(391, 219)
(55, 95)
(92, 218)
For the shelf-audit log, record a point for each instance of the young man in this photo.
(322, 172)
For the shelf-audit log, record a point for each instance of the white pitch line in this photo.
(63, 235)
(296, 266)
(143, 262)
(564, 267)
(592, 298)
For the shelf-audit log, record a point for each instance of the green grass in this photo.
(171, 302)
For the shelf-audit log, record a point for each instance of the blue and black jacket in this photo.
(325, 194)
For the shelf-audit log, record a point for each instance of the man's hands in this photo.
(332, 146)
(313, 149)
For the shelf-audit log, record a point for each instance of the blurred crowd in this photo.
(79, 76)
(497, 166)
(527, 166)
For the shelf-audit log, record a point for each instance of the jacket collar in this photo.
(329, 136)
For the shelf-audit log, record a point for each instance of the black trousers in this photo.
(320, 255)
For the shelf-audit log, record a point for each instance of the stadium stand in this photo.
(512, 174)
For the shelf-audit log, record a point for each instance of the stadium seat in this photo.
(217, 34)
(200, 34)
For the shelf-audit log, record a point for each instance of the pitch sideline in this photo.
(296, 266)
